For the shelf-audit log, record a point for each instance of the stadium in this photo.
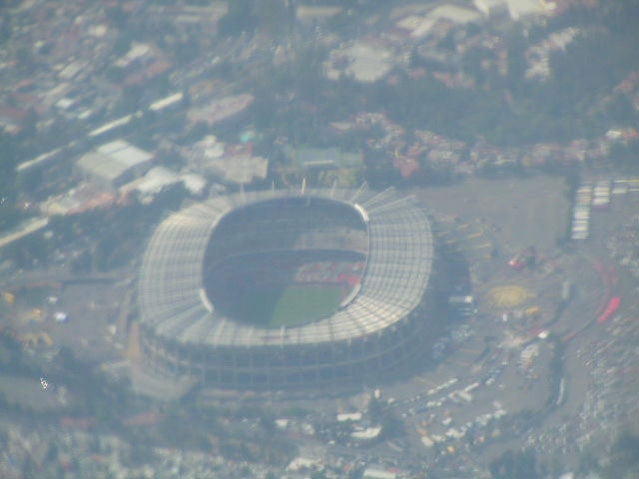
(276, 290)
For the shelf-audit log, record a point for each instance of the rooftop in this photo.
(111, 160)
(397, 274)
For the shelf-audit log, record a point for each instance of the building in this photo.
(221, 110)
(226, 163)
(379, 328)
(517, 9)
(492, 8)
(239, 170)
(84, 197)
(114, 164)
(324, 158)
(156, 180)
(375, 473)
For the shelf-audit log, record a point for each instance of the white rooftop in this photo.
(397, 275)
(156, 179)
(166, 102)
(112, 159)
(455, 14)
(374, 473)
(367, 434)
(112, 146)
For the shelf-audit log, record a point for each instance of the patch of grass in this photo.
(258, 306)
(301, 304)
(291, 306)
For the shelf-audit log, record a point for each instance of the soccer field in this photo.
(302, 304)
(295, 305)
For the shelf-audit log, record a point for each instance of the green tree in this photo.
(5, 29)
(514, 465)
(517, 45)
(623, 462)
(117, 17)
(238, 19)
(626, 156)
(273, 17)
(122, 45)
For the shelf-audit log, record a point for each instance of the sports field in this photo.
(295, 305)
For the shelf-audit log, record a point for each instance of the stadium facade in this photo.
(379, 330)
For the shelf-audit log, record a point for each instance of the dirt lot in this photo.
(524, 212)
(92, 308)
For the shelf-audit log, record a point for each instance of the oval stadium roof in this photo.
(173, 303)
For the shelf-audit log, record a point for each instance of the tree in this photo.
(29, 125)
(130, 98)
(626, 156)
(621, 111)
(392, 426)
(5, 29)
(140, 454)
(24, 56)
(117, 17)
(624, 458)
(375, 410)
(52, 452)
(273, 17)
(471, 63)
(184, 52)
(29, 468)
(238, 19)
(122, 45)
(516, 59)
(514, 465)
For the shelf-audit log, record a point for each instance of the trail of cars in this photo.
(596, 195)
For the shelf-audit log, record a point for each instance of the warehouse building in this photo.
(114, 164)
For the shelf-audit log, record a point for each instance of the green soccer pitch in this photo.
(293, 306)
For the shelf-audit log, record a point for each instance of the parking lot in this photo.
(523, 212)
(493, 347)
